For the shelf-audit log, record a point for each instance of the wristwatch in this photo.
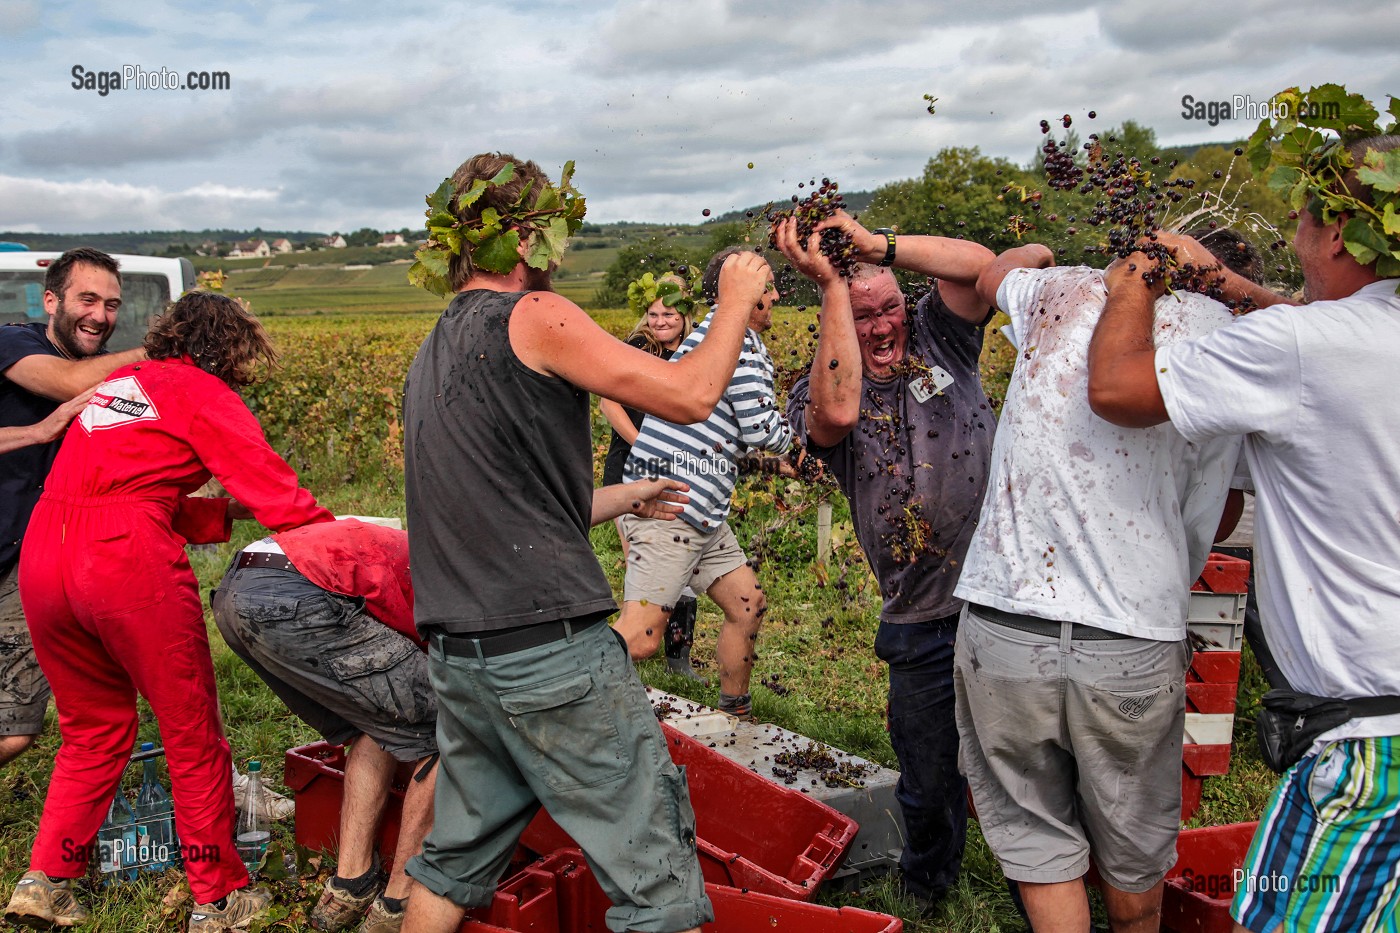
(889, 245)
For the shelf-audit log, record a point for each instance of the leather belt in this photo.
(264, 559)
(1046, 627)
(491, 644)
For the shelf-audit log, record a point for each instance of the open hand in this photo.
(658, 498)
(52, 427)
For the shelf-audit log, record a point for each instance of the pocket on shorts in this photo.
(385, 677)
(570, 730)
(21, 680)
(265, 610)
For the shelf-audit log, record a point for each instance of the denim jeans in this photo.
(931, 792)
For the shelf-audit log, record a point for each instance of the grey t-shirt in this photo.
(498, 478)
(914, 471)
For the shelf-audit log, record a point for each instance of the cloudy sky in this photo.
(344, 115)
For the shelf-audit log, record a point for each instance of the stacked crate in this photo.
(1215, 627)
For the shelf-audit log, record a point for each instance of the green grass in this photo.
(816, 640)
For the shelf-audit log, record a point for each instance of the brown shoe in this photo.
(338, 909)
(240, 907)
(42, 902)
(381, 919)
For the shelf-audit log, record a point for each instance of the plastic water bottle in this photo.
(254, 828)
(116, 838)
(155, 816)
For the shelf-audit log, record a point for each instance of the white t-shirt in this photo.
(1313, 390)
(1085, 521)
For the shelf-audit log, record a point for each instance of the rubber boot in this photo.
(680, 635)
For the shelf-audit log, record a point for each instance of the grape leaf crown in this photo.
(643, 292)
(1302, 153)
(547, 216)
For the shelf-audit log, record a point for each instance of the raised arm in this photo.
(554, 336)
(60, 379)
(955, 263)
(1122, 361)
(1029, 256)
(833, 406)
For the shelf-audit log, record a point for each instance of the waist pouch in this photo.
(1289, 722)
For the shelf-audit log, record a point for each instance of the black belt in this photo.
(1046, 627)
(491, 644)
(265, 560)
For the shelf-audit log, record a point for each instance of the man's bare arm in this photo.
(42, 432)
(554, 336)
(1029, 256)
(59, 379)
(653, 498)
(1122, 362)
(833, 406)
(955, 263)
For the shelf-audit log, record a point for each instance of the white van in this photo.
(148, 285)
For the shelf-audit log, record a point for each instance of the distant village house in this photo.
(334, 241)
(392, 239)
(250, 248)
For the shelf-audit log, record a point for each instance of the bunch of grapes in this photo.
(824, 202)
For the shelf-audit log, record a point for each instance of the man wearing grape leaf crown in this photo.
(1310, 390)
(894, 408)
(538, 702)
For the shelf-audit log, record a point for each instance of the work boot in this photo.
(740, 707)
(338, 907)
(680, 636)
(42, 902)
(381, 919)
(240, 907)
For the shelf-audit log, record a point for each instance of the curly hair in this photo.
(218, 334)
(499, 197)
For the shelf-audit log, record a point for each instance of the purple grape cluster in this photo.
(822, 203)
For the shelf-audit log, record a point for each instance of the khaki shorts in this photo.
(1072, 744)
(24, 691)
(664, 557)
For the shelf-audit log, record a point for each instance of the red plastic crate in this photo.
(1206, 760)
(1214, 667)
(316, 776)
(1200, 886)
(1210, 698)
(1223, 574)
(560, 895)
(751, 833)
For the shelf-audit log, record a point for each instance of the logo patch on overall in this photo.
(115, 403)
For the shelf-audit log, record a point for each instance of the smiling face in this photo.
(83, 318)
(667, 325)
(882, 322)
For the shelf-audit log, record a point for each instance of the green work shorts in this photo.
(566, 726)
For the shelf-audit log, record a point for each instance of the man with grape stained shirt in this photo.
(894, 408)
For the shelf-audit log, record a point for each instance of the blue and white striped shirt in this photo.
(706, 455)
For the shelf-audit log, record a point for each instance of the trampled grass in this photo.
(332, 411)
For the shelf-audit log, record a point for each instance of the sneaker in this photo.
(381, 919)
(43, 902)
(240, 907)
(338, 908)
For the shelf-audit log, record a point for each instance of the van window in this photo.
(144, 295)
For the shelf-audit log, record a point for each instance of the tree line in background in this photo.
(963, 193)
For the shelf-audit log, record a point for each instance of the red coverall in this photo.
(114, 608)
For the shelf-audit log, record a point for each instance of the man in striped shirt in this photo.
(701, 550)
